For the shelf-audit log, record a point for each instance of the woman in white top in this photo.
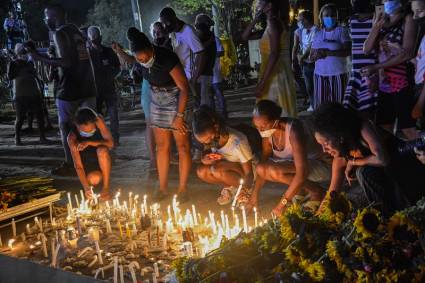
(330, 49)
(289, 157)
(227, 157)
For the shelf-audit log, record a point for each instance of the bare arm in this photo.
(371, 42)
(248, 34)
(378, 156)
(180, 80)
(200, 61)
(409, 44)
(296, 138)
(107, 140)
(295, 48)
(247, 172)
(64, 52)
(338, 168)
(76, 157)
(274, 36)
(122, 55)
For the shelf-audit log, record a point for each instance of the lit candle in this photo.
(228, 232)
(237, 193)
(76, 201)
(255, 218)
(27, 228)
(69, 199)
(195, 218)
(169, 212)
(43, 240)
(120, 227)
(223, 220)
(130, 200)
(154, 280)
(82, 196)
(145, 202)
(121, 274)
(245, 223)
(213, 224)
(165, 241)
(115, 269)
(117, 200)
(13, 228)
(39, 224)
(132, 272)
(127, 231)
(10, 243)
(99, 252)
(233, 213)
(108, 227)
(156, 269)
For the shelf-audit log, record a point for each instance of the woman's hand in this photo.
(378, 23)
(369, 70)
(83, 145)
(349, 172)
(317, 54)
(260, 89)
(116, 47)
(211, 158)
(253, 202)
(417, 111)
(179, 125)
(279, 210)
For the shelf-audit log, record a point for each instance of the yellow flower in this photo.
(286, 229)
(336, 208)
(367, 223)
(363, 277)
(292, 256)
(399, 222)
(315, 270)
(333, 254)
(389, 276)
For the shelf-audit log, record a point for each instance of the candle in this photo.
(23, 237)
(121, 274)
(223, 220)
(115, 269)
(13, 228)
(108, 227)
(10, 243)
(228, 232)
(154, 280)
(164, 241)
(130, 200)
(117, 200)
(233, 213)
(237, 222)
(69, 199)
(93, 262)
(169, 212)
(27, 228)
(76, 201)
(127, 231)
(78, 223)
(255, 218)
(213, 224)
(145, 202)
(43, 240)
(195, 218)
(132, 272)
(156, 269)
(237, 193)
(82, 196)
(39, 224)
(120, 228)
(245, 224)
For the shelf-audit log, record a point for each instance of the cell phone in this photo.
(379, 11)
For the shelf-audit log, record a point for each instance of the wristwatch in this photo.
(284, 202)
(180, 115)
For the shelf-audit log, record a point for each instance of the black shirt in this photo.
(106, 66)
(76, 81)
(159, 74)
(210, 54)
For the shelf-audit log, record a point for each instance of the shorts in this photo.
(319, 171)
(25, 104)
(392, 106)
(90, 160)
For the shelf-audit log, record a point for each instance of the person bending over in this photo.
(227, 157)
(289, 157)
(90, 142)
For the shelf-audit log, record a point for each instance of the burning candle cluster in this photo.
(127, 239)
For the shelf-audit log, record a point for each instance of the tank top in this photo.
(287, 152)
(76, 81)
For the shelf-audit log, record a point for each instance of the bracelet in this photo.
(283, 202)
(180, 115)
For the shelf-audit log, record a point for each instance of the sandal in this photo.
(244, 197)
(226, 195)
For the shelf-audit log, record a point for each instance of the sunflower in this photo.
(336, 208)
(335, 256)
(389, 275)
(367, 223)
(287, 232)
(292, 256)
(400, 228)
(315, 270)
(363, 277)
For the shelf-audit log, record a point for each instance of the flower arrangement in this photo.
(6, 198)
(339, 245)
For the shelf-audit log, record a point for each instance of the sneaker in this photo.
(310, 109)
(64, 170)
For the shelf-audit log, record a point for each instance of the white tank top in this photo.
(287, 153)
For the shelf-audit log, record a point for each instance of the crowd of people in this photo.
(363, 109)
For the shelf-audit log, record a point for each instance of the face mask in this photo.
(268, 133)
(149, 64)
(87, 134)
(391, 6)
(329, 22)
(300, 25)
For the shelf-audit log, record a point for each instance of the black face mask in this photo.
(420, 22)
(51, 25)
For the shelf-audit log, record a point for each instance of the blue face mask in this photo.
(87, 134)
(391, 6)
(329, 22)
(300, 25)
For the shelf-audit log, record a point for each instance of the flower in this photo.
(315, 270)
(336, 208)
(367, 223)
(292, 256)
(287, 232)
(400, 228)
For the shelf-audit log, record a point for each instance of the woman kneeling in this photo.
(227, 157)
(289, 157)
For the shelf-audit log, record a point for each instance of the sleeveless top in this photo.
(396, 77)
(76, 81)
(287, 152)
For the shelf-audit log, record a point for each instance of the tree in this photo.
(113, 17)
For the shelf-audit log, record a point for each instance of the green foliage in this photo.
(113, 17)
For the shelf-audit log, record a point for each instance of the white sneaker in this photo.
(310, 109)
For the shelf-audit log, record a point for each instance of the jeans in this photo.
(66, 112)
(220, 103)
(308, 74)
(205, 89)
(381, 189)
(112, 108)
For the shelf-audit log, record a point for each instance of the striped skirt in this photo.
(329, 89)
(164, 105)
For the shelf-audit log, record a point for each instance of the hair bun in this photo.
(133, 34)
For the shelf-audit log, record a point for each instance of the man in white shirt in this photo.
(186, 44)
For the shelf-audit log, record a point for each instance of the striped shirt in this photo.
(358, 95)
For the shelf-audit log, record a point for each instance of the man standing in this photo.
(76, 86)
(106, 66)
(14, 30)
(186, 44)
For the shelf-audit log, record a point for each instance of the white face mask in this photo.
(149, 64)
(268, 133)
